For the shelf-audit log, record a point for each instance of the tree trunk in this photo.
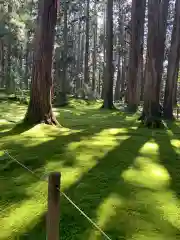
(40, 107)
(26, 80)
(82, 56)
(151, 112)
(108, 81)
(163, 13)
(175, 89)
(136, 45)
(86, 59)
(173, 62)
(61, 98)
(104, 51)
(9, 81)
(118, 80)
(78, 80)
(94, 47)
(2, 82)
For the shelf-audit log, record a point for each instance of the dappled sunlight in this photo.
(105, 212)
(10, 111)
(85, 154)
(38, 134)
(150, 147)
(95, 147)
(147, 174)
(112, 169)
(20, 216)
(139, 214)
(175, 143)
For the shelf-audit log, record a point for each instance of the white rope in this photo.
(88, 218)
(63, 194)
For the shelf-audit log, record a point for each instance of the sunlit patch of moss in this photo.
(108, 168)
(151, 147)
(19, 217)
(86, 154)
(105, 212)
(175, 143)
(147, 173)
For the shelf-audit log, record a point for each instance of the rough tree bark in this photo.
(86, 59)
(151, 111)
(163, 14)
(136, 44)
(40, 107)
(108, 80)
(173, 63)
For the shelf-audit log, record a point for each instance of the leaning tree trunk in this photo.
(151, 112)
(173, 63)
(40, 107)
(108, 79)
(136, 43)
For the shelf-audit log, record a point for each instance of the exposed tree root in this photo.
(49, 120)
(110, 107)
(151, 122)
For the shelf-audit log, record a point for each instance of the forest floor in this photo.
(126, 178)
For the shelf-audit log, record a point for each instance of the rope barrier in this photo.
(63, 194)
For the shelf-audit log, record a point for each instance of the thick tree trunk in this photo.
(86, 59)
(163, 13)
(40, 107)
(173, 62)
(108, 83)
(136, 45)
(151, 112)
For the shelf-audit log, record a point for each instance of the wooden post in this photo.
(53, 214)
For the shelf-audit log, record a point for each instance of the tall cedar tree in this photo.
(155, 54)
(108, 78)
(173, 65)
(40, 107)
(136, 46)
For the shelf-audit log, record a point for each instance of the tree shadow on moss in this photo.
(92, 189)
(170, 159)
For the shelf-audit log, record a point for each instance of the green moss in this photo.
(124, 177)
